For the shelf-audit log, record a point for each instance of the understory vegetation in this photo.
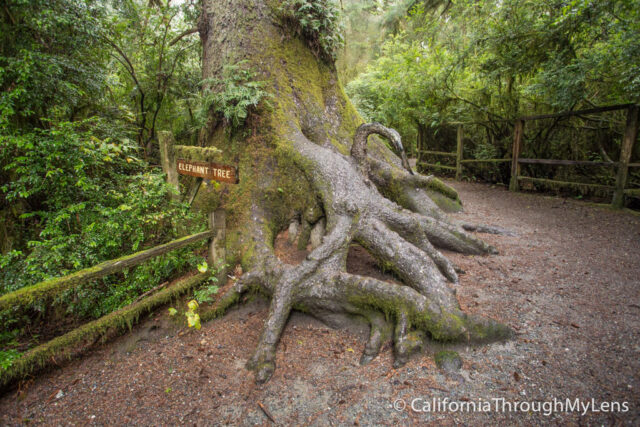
(233, 96)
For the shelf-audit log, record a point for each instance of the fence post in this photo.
(630, 135)
(517, 148)
(168, 160)
(217, 244)
(419, 145)
(459, 152)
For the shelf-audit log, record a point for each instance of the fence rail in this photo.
(566, 162)
(53, 287)
(622, 166)
(435, 165)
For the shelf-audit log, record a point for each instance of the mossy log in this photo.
(300, 165)
(72, 343)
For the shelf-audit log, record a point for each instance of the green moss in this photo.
(248, 258)
(448, 322)
(396, 191)
(221, 307)
(203, 154)
(445, 203)
(438, 186)
(349, 116)
(486, 330)
(305, 235)
(445, 327)
(264, 366)
(447, 358)
(301, 307)
(235, 243)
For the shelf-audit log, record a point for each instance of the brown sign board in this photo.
(216, 172)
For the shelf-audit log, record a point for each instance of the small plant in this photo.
(193, 318)
(233, 96)
(202, 295)
(318, 22)
(486, 151)
(203, 267)
(7, 357)
(7, 353)
(205, 293)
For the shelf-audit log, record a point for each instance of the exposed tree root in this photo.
(489, 229)
(401, 240)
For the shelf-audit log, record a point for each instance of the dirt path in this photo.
(568, 283)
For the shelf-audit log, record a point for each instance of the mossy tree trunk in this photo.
(297, 171)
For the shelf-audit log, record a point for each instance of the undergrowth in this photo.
(78, 195)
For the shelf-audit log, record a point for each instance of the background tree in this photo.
(156, 63)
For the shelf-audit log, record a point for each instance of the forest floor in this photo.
(568, 283)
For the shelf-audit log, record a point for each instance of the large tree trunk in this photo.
(296, 167)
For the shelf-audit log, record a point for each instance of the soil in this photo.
(567, 283)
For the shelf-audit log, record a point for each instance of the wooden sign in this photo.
(216, 172)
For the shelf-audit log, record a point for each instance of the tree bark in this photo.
(296, 167)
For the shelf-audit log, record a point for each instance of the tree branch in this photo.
(183, 35)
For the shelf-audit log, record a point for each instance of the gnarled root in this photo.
(424, 306)
(489, 229)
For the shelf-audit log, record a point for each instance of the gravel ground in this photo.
(568, 283)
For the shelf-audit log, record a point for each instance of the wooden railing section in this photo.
(619, 190)
(51, 288)
(112, 323)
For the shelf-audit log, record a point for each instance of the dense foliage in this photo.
(155, 68)
(485, 63)
(84, 87)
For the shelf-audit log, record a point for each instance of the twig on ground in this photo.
(149, 292)
(266, 412)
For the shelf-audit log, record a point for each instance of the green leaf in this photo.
(203, 267)
(193, 320)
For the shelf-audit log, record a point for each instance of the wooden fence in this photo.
(619, 189)
(112, 323)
